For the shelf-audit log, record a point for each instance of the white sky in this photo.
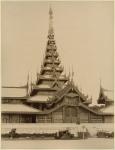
(83, 33)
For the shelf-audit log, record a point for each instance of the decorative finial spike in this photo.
(72, 73)
(100, 83)
(51, 31)
(50, 11)
(28, 78)
(69, 75)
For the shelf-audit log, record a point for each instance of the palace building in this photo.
(54, 98)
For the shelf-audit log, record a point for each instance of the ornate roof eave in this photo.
(50, 69)
(42, 71)
(49, 54)
(50, 62)
(49, 47)
(52, 79)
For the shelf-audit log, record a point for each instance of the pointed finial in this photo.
(72, 74)
(100, 83)
(31, 84)
(28, 78)
(50, 32)
(50, 11)
(37, 76)
(101, 88)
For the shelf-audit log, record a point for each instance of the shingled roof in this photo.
(39, 98)
(8, 92)
(18, 108)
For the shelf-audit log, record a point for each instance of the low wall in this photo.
(54, 127)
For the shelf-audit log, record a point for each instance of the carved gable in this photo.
(72, 93)
(72, 98)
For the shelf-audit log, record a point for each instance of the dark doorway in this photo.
(33, 118)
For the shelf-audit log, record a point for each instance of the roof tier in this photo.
(49, 61)
(17, 92)
(51, 78)
(39, 98)
(18, 108)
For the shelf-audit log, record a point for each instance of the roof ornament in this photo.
(28, 85)
(69, 74)
(101, 89)
(72, 75)
(31, 85)
(100, 84)
(28, 79)
(37, 77)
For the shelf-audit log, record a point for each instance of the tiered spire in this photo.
(50, 80)
(51, 70)
(51, 65)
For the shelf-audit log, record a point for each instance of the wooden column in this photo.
(89, 117)
(78, 115)
(63, 114)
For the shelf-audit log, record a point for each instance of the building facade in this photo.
(53, 98)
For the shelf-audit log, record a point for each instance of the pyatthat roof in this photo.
(14, 92)
(39, 98)
(18, 108)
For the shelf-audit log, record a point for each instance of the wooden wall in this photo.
(44, 118)
(84, 115)
(109, 119)
(96, 118)
(18, 118)
(65, 114)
